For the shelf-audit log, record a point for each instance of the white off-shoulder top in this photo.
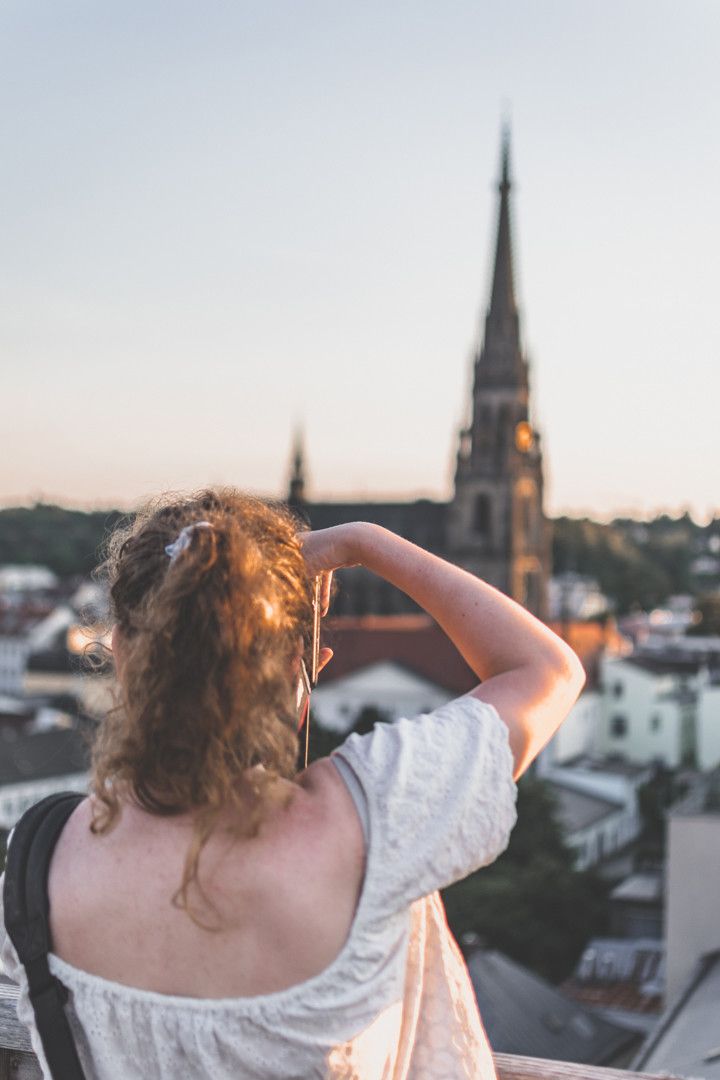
(438, 800)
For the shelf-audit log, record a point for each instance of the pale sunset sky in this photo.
(220, 220)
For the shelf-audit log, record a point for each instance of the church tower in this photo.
(296, 495)
(496, 525)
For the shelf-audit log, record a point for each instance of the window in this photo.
(485, 430)
(527, 520)
(655, 722)
(523, 436)
(618, 689)
(618, 726)
(531, 590)
(502, 431)
(482, 520)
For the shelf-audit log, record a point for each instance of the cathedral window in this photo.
(484, 429)
(482, 518)
(523, 437)
(531, 591)
(501, 430)
(526, 517)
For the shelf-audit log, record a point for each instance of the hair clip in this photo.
(184, 538)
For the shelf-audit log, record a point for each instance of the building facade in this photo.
(663, 705)
(496, 523)
(692, 926)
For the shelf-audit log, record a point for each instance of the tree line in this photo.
(637, 564)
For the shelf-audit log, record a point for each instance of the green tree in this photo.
(323, 741)
(654, 799)
(367, 718)
(708, 615)
(628, 572)
(67, 541)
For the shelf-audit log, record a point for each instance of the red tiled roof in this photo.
(17, 623)
(617, 995)
(417, 643)
(414, 641)
(589, 640)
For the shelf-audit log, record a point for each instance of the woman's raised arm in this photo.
(527, 672)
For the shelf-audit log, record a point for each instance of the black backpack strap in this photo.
(27, 917)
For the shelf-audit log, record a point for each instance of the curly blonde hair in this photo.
(208, 683)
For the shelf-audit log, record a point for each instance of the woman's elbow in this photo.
(569, 675)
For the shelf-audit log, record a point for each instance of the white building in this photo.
(14, 651)
(686, 1040)
(662, 626)
(692, 914)
(593, 827)
(577, 736)
(708, 722)
(662, 705)
(23, 632)
(575, 596)
(597, 807)
(396, 665)
(15, 799)
(35, 763)
(26, 579)
(385, 686)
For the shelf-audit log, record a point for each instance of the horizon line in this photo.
(578, 513)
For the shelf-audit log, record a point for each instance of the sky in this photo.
(222, 221)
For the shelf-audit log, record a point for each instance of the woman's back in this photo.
(283, 901)
(436, 797)
(330, 954)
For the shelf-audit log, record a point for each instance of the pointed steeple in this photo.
(296, 490)
(500, 358)
(503, 309)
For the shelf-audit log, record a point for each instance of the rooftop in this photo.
(577, 810)
(641, 888)
(415, 642)
(525, 1015)
(613, 766)
(40, 756)
(640, 961)
(688, 1037)
(667, 663)
(702, 799)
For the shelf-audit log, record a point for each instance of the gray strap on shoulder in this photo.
(357, 793)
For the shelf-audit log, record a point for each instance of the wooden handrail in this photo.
(514, 1067)
(17, 1061)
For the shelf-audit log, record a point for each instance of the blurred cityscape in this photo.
(596, 937)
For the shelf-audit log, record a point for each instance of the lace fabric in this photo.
(397, 1002)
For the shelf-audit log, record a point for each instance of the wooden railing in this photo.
(17, 1061)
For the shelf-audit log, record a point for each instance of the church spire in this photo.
(500, 358)
(496, 522)
(503, 308)
(296, 490)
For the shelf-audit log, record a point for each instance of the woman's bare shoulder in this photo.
(334, 803)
